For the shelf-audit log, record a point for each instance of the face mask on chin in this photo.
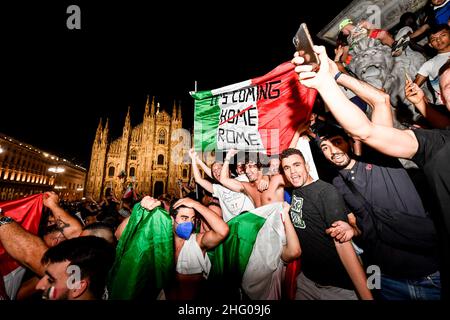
(184, 229)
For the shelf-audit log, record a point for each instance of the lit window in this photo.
(162, 136)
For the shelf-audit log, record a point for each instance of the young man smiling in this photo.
(330, 269)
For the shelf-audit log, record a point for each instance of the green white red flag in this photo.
(260, 114)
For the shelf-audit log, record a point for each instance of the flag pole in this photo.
(196, 185)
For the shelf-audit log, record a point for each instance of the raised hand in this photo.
(187, 202)
(192, 154)
(150, 203)
(413, 92)
(315, 79)
(231, 153)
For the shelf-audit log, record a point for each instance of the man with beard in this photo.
(76, 269)
(429, 149)
(330, 269)
(382, 181)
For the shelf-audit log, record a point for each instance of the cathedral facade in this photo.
(150, 155)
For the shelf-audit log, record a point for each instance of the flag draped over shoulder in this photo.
(261, 114)
(144, 256)
(250, 255)
(27, 212)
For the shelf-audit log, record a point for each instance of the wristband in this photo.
(336, 77)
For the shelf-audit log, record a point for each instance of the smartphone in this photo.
(408, 78)
(303, 43)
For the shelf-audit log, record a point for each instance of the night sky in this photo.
(57, 83)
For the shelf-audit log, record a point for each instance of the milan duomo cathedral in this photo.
(149, 154)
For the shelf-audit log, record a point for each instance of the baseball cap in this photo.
(344, 23)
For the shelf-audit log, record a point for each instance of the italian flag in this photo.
(261, 114)
(250, 256)
(27, 212)
(144, 256)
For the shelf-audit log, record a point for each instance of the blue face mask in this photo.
(184, 229)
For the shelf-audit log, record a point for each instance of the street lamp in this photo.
(56, 170)
(1, 150)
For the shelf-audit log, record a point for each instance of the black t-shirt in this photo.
(433, 156)
(384, 183)
(313, 209)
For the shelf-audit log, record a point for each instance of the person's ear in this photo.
(79, 288)
(351, 145)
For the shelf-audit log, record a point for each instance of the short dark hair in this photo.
(253, 157)
(174, 211)
(290, 152)
(93, 255)
(101, 226)
(328, 131)
(437, 28)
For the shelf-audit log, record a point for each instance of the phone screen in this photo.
(303, 42)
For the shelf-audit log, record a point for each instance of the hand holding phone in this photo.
(303, 43)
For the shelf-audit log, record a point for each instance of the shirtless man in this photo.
(274, 193)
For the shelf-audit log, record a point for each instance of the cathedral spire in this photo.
(106, 125)
(152, 111)
(99, 127)
(157, 108)
(174, 110)
(147, 106)
(127, 119)
(179, 110)
(106, 130)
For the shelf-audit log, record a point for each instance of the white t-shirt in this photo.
(430, 69)
(232, 203)
(303, 146)
(13, 280)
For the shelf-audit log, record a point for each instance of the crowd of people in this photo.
(347, 204)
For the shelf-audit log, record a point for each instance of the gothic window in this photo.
(160, 159)
(111, 171)
(184, 173)
(132, 172)
(133, 155)
(162, 136)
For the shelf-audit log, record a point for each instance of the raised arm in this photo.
(23, 246)
(417, 97)
(219, 229)
(204, 167)
(225, 179)
(300, 130)
(377, 99)
(69, 226)
(354, 269)
(205, 184)
(352, 119)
